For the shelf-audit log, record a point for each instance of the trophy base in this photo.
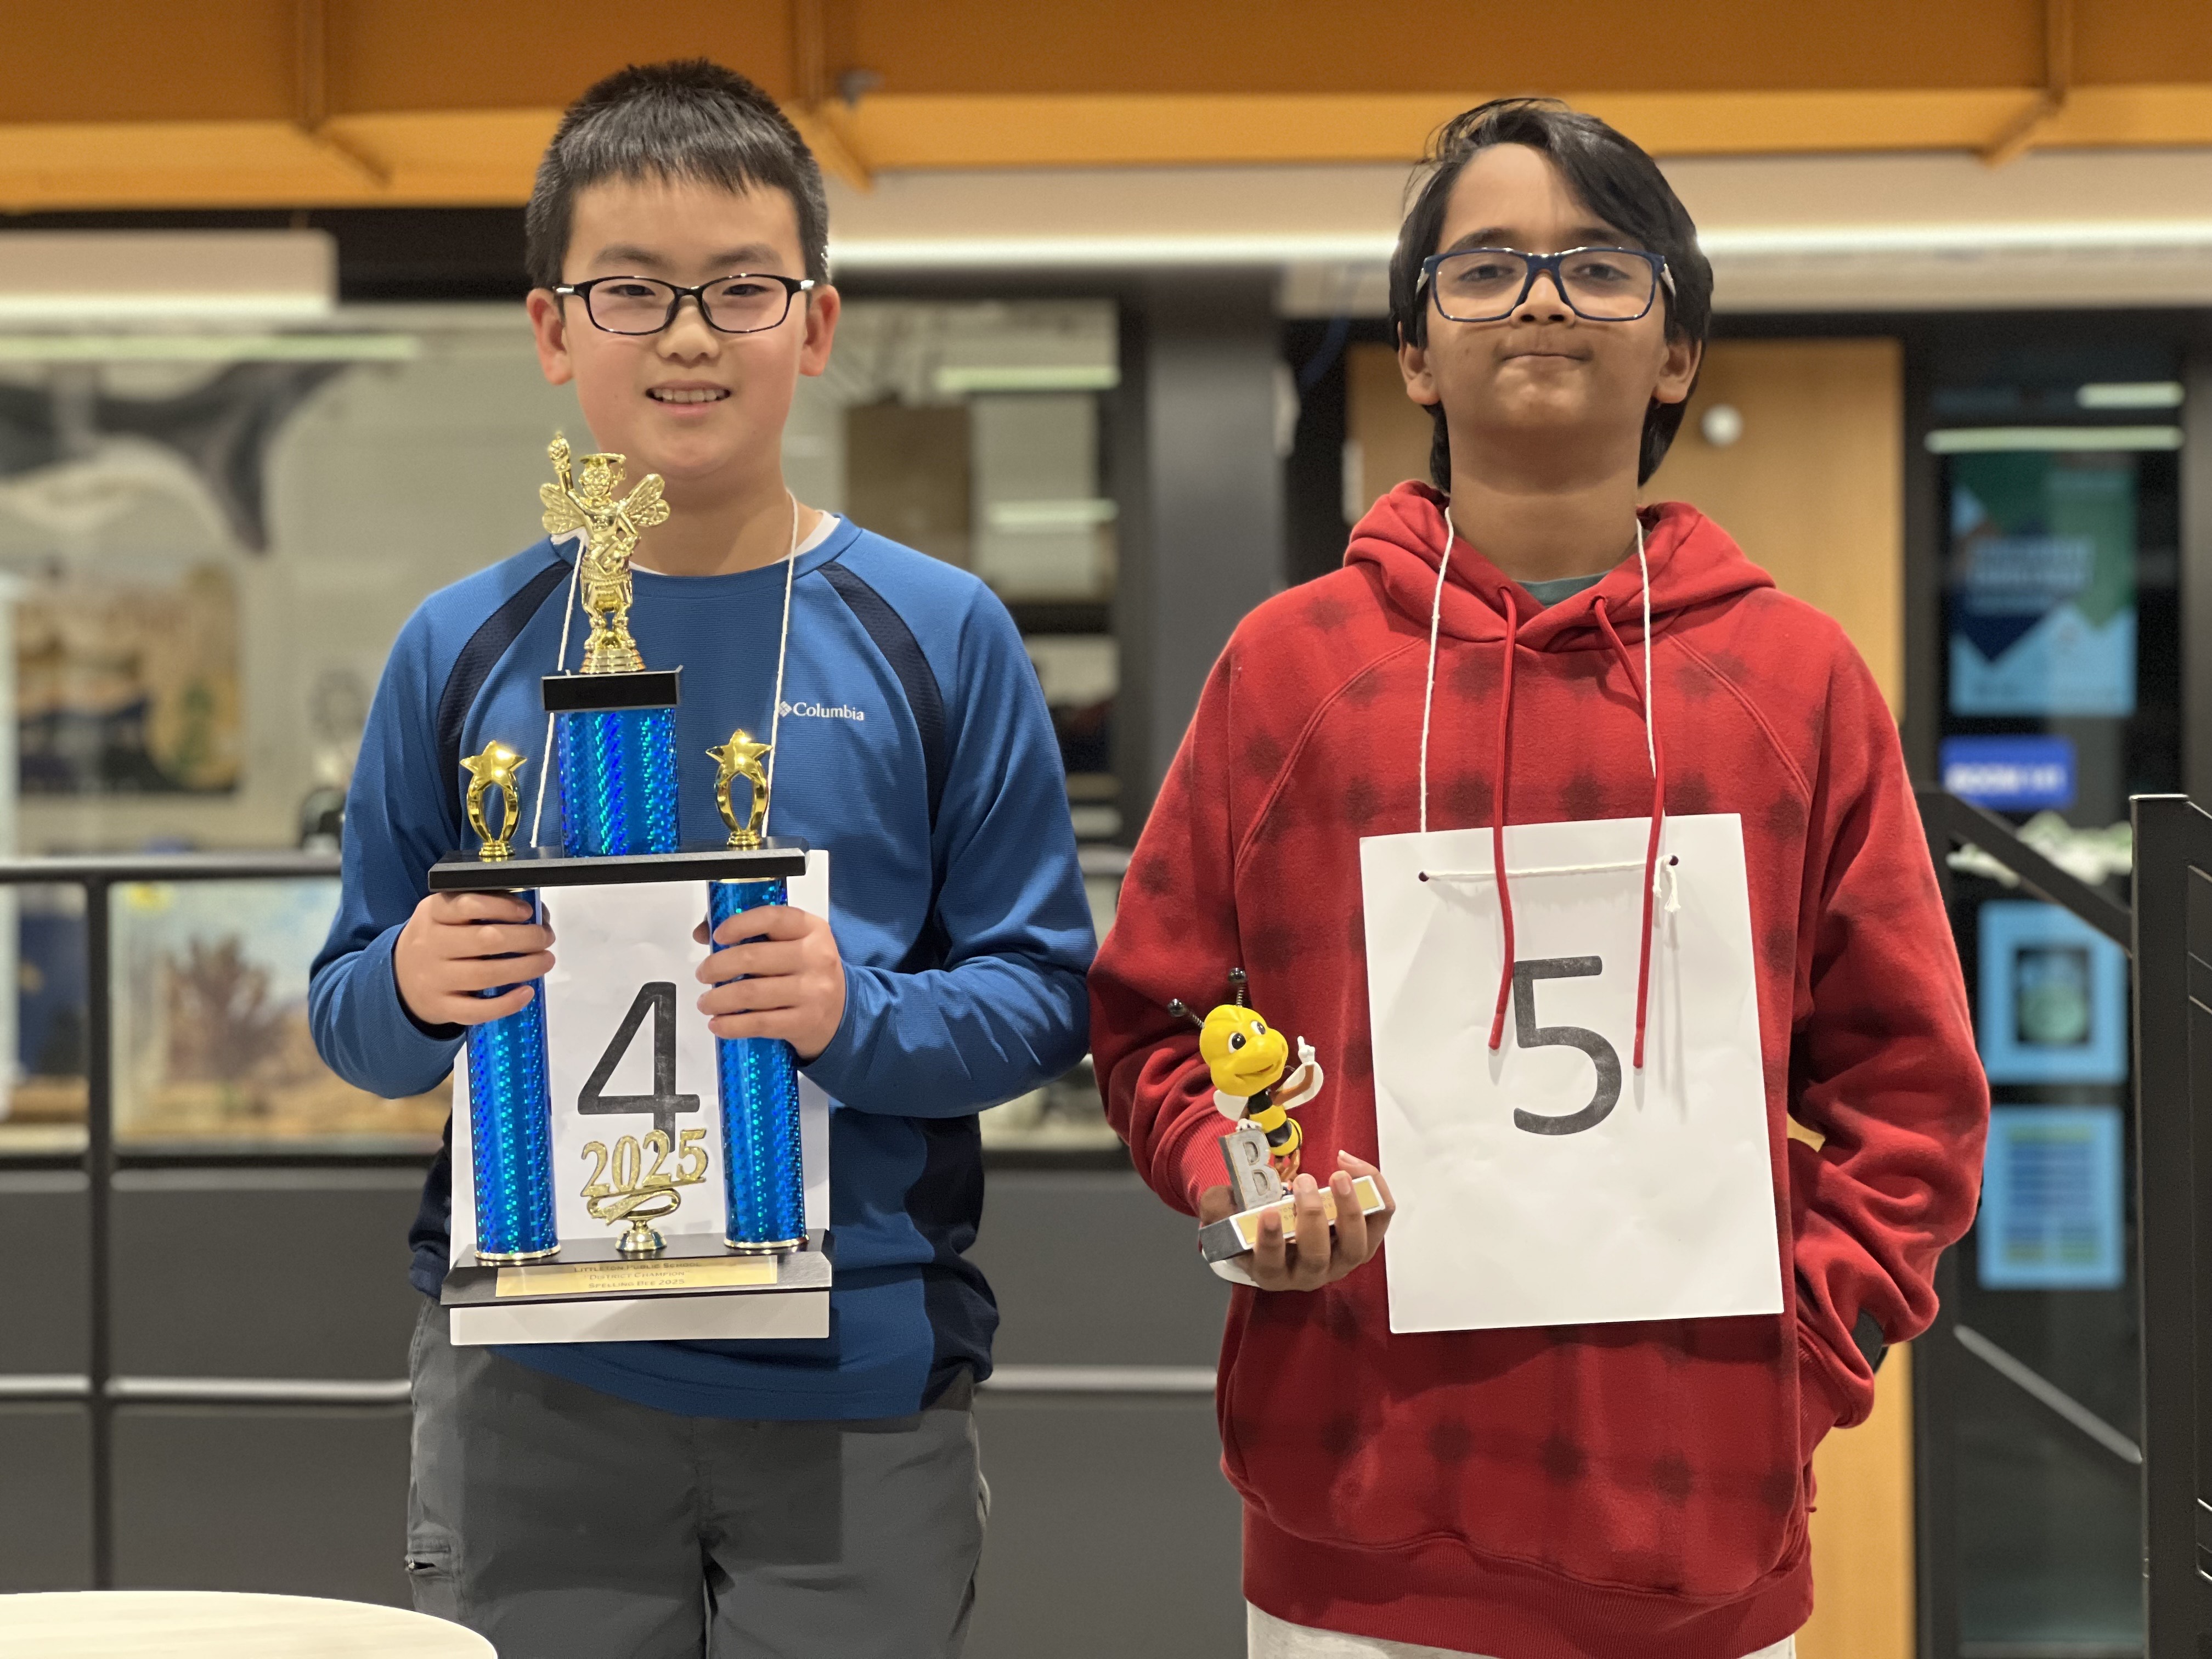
(1235, 1234)
(641, 1240)
(763, 1247)
(515, 1258)
(694, 1289)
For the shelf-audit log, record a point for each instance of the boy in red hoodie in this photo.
(1521, 644)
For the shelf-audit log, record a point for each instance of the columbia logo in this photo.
(825, 711)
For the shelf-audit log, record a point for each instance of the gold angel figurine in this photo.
(740, 757)
(494, 768)
(587, 501)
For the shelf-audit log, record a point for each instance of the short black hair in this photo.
(1614, 178)
(691, 119)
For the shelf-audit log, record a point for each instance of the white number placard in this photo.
(631, 1064)
(1548, 1181)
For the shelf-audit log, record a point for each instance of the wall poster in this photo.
(2053, 997)
(2050, 1216)
(2042, 583)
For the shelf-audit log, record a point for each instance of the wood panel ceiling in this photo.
(275, 103)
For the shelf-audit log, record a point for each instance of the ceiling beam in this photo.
(2050, 104)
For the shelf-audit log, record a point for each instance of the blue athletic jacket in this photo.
(916, 747)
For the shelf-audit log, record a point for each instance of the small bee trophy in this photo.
(615, 722)
(510, 1102)
(763, 1168)
(1256, 1087)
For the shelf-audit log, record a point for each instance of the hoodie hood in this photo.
(1693, 561)
(1685, 558)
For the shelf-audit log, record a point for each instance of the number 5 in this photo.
(1529, 1035)
(691, 1160)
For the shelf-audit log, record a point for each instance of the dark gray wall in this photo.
(1200, 490)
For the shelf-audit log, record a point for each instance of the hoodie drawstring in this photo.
(1658, 812)
(1498, 817)
(1653, 749)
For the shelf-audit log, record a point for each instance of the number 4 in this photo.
(664, 1102)
(1529, 1035)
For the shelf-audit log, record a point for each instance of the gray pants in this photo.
(557, 1521)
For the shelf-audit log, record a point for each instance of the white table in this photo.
(190, 1624)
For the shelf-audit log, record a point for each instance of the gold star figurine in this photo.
(740, 757)
(586, 500)
(494, 768)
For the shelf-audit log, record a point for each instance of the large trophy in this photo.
(629, 1263)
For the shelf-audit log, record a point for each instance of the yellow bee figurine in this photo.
(1247, 1058)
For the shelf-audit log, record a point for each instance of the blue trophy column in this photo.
(762, 1169)
(511, 1132)
(617, 781)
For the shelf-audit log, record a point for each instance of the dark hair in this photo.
(1612, 178)
(691, 120)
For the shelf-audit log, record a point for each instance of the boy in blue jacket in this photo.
(796, 1496)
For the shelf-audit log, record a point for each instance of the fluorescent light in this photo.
(1947, 238)
(207, 348)
(1963, 236)
(46, 310)
(1034, 517)
(1026, 377)
(2131, 394)
(953, 252)
(113, 277)
(1969, 441)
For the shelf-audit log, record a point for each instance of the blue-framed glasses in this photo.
(1600, 284)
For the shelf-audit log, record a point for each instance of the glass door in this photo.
(2059, 478)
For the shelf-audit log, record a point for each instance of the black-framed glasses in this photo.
(1600, 284)
(745, 303)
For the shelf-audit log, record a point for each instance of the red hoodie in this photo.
(1580, 1492)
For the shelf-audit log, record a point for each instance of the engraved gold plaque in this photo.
(617, 1278)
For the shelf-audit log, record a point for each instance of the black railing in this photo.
(2174, 1178)
(1948, 1347)
(100, 1389)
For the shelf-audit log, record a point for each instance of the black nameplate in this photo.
(548, 867)
(648, 687)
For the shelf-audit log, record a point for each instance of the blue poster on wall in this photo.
(2052, 1003)
(2043, 583)
(2050, 1216)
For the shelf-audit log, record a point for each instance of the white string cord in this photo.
(775, 716)
(1429, 686)
(782, 646)
(1515, 875)
(560, 667)
(1669, 878)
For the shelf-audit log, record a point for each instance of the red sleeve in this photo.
(1882, 1062)
(1175, 926)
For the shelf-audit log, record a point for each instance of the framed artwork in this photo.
(129, 684)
